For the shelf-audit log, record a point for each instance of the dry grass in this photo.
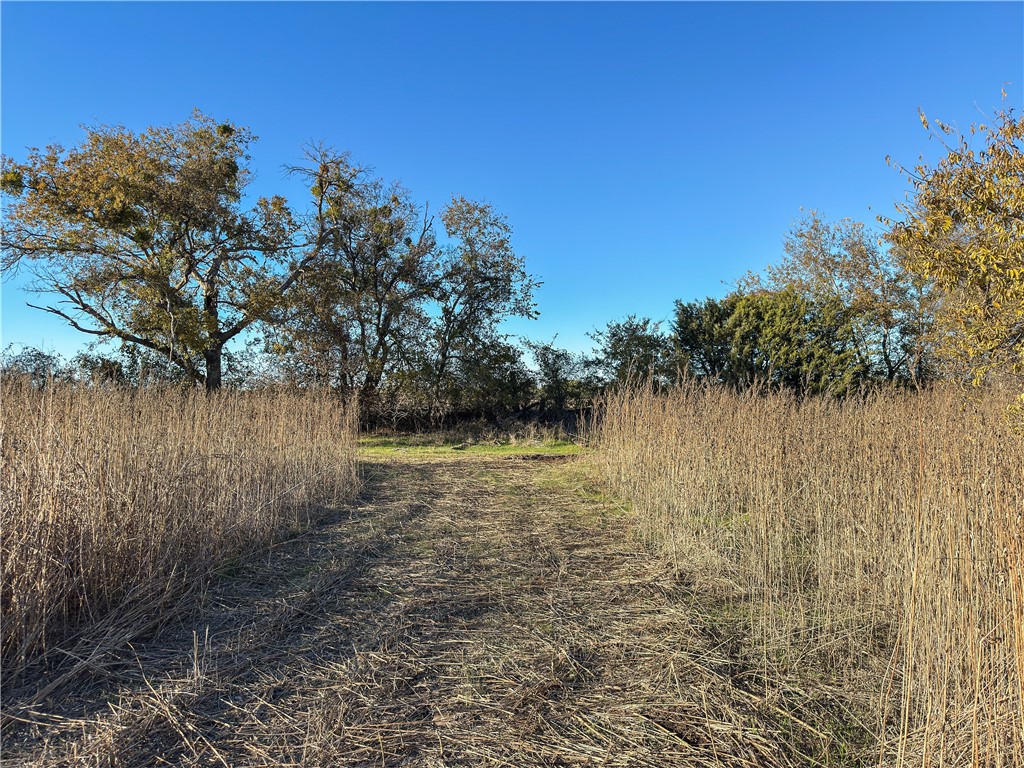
(118, 504)
(873, 550)
(467, 610)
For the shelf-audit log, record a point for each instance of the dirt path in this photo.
(467, 611)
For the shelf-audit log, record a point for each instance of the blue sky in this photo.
(642, 152)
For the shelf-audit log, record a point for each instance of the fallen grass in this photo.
(868, 555)
(118, 505)
(466, 611)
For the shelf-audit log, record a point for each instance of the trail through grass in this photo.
(481, 606)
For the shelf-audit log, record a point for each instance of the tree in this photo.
(145, 238)
(95, 368)
(889, 309)
(702, 338)
(360, 309)
(480, 281)
(561, 376)
(782, 338)
(633, 348)
(489, 381)
(388, 308)
(964, 228)
(37, 366)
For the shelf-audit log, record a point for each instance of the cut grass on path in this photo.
(475, 608)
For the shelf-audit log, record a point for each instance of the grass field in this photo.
(118, 505)
(471, 607)
(869, 554)
(712, 580)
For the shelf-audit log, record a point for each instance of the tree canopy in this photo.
(963, 227)
(702, 340)
(888, 308)
(144, 237)
(396, 303)
(781, 337)
(633, 349)
(149, 238)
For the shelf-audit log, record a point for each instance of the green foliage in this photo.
(631, 349)
(889, 311)
(490, 381)
(782, 338)
(37, 366)
(770, 337)
(561, 377)
(702, 339)
(143, 238)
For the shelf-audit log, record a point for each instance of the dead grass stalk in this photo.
(116, 504)
(876, 546)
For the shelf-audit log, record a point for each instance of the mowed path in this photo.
(467, 610)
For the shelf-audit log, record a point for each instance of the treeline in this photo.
(840, 312)
(149, 240)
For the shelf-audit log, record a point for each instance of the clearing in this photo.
(473, 607)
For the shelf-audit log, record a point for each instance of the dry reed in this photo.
(876, 545)
(119, 502)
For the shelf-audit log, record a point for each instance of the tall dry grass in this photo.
(116, 504)
(875, 547)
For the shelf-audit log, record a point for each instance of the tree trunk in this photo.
(213, 368)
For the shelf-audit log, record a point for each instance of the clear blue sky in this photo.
(642, 152)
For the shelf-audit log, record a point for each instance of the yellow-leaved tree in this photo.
(963, 226)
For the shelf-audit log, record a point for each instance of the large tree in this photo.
(889, 309)
(480, 280)
(147, 238)
(397, 305)
(702, 338)
(964, 227)
(361, 309)
(782, 338)
(633, 349)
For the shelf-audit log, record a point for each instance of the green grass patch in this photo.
(427, 444)
(582, 480)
